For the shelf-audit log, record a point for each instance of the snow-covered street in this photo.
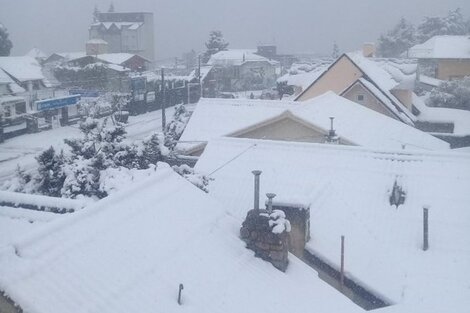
(22, 150)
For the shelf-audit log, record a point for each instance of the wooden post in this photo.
(342, 263)
(425, 228)
(181, 287)
(163, 100)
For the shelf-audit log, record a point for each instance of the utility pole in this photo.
(342, 263)
(425, 228)
(163, 100)
(199, 74)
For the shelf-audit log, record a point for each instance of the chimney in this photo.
(332, 137)
(270, 201)
(257, 174)
(368, 50)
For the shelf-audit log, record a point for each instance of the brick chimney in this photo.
(368, 49)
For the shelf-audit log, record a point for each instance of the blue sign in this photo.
(138, 84)
(50, 104)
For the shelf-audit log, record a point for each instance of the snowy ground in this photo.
(22, 150)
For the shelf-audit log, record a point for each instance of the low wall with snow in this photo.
(40, 203)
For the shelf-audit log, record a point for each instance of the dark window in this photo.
(20, 108)
(360, 97)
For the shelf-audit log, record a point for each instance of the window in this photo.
(20, 108)
(360, 98)
(7, 111)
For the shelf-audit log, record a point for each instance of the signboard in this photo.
(51, 104)
(138, 84)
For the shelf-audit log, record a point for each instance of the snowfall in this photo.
(130, 251)
(347, 189)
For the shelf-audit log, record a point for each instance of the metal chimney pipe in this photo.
(425, 228)
(257, 173)
(270, 201)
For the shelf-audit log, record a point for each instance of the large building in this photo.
(125, 32)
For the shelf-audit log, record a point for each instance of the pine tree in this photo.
(452, 24)
(335, 52)
(51, 175)
(5, 42)
(111, 8)
(398, 40)
(215, 44)
(151, 153)
(96, 15)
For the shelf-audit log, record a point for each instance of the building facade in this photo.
(126, 32)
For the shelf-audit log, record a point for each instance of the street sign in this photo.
(56, 103)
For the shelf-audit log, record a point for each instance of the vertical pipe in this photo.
(342, 262)
(257, 173)
(181, 287)
(270, 201)
(425, 228)
(163, 100)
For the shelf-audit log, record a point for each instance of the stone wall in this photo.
(266, 233)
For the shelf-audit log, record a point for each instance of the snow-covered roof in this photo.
(4, 78)
(460, 118)
(71, 55)
(303, 79)
(204, 72)
(119, 25)
(97, 41)
(115, 58)
(237, 57)
(214, 118)
(16, 222)
(442, 47)
(384, 82)
(23, 68)
(130, 251)
(348, 189)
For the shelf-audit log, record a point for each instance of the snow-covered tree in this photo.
(398, 40)
(151, 152)
(335, 52)
(5, 42)
(197, 179)
(51, 176)
(452, 24)
(451, 94)
(96, 14)
(111, 8)
(215, 44)
(174, 129)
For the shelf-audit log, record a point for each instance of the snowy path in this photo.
(22, 150)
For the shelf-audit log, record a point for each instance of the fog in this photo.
(295, 26)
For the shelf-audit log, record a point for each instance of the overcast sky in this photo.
(181, 25)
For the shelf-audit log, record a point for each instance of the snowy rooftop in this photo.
(384, 81)
(4, 78)
(115, 58)
(237, 57)
(442, 47)
(129, 253)
(348, 188)
(460, 118)
(119, 25)
(97, 41)
(214, 118)
(22, 68)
